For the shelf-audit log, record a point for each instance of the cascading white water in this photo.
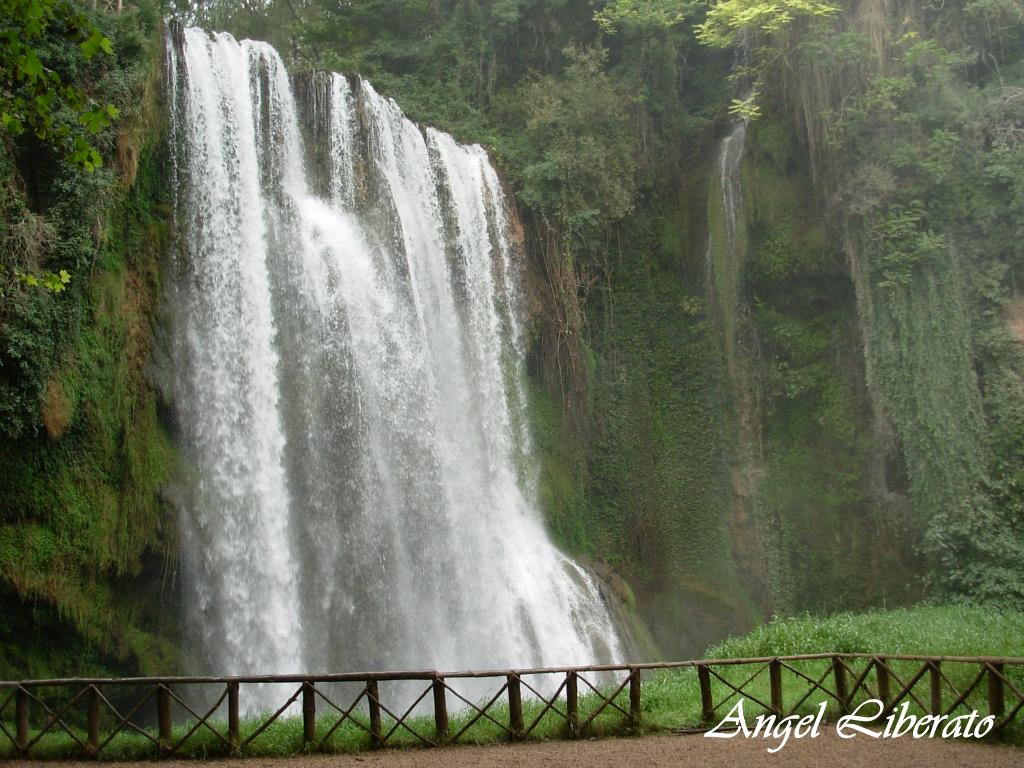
(348, 385)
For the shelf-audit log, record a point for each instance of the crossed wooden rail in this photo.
(844, 679)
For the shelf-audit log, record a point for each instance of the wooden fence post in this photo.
(21, 716)
(571, 703)
(234, 731)
(839, 670)
(93, 721)
(440, 710)
(515, 706)
(634, 696)
(935, 684)
(882, 675)
(707, 705)
(163, 715)
(308, 713)
(775, 682)
(373, 700)
(996, 700)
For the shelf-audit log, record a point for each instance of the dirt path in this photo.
(689, 751)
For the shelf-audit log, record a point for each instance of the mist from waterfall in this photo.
(357, 490)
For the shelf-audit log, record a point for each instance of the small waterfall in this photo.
(730, 192)
(730, 312)
(726, 240)
(344, 302)
(730, 157)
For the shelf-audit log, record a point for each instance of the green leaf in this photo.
(30, 66)
(12, 124)
(95, 43)
(85, 156)
(56, 282)
(746, 109)
(95, 120)
(91, 45)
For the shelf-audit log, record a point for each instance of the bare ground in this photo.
(677, 751)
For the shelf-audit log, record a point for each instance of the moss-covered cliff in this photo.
(86, 550)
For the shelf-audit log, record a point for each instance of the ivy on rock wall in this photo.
(914, 128)
(835, 540)
(658, 469)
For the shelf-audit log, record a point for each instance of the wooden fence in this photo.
(85, 712)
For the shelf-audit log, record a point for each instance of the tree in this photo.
(579, 139)
(730, 21)
(639, 14)
(32, 91)
(36, 98)
(750, 22)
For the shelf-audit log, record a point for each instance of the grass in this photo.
(949, 630)
(670, 698)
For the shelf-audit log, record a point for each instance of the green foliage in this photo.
(578, 165)
(766, 31)
(561, 487)
(916, 153)
(85, 451)
(903, 245)
(745, 109)
(730, 20)
(827, 542)
(596, 114)
(51, 281)
(911, 122)
(672, 698)
(948, 630)
(82, 504)
(38, 36)
(51, 214)
(645, 14)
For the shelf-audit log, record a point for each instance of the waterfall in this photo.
(726, 241)
(730, 193)
(730, 312)
(344, 305)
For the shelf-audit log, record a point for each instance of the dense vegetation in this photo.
(82, 530)
(842, 428)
